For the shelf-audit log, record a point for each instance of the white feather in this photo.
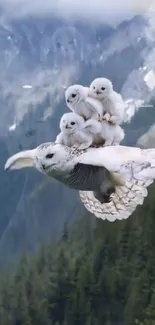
(79, 102)
(20, 160)
(78, 133)
(122, 205)
(102, 90)
(135, 168)
(111, 157)
(112, 133)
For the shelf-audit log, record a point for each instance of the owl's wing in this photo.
(59, 138)
(135, 166)
(119, 105)
(92, 126)
(21, 159)
(95, 105)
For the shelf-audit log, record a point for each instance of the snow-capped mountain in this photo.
(38, 60)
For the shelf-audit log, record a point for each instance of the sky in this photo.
(100, 11)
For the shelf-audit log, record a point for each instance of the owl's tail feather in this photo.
(123, 202)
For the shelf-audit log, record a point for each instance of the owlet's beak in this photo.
(68, 127)
(98, 92)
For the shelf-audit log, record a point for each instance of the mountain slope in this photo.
(97, 273)
(47, 56)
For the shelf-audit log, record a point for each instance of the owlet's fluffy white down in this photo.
(114, 106)
(79, 102)
(81, 134)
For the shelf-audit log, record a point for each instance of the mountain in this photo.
(38, 59)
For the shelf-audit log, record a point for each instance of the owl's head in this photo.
(100, 88)
(71, 122)
(47, 158)
(74, 94)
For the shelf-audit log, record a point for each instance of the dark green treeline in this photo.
(99, 273)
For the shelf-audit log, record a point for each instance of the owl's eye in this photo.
(73, 95)
(72, 123)
(102, 88)
(50, 155)
(93, 87)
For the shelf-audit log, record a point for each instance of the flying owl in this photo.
(112, 180)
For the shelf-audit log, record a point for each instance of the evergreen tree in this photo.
(97, 274)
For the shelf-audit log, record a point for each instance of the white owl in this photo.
(81, 134)
(78, 133)
(112, 133)
(79, 102)
(112, 180)
(114, 106)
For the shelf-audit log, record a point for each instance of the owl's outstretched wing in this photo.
(123, 202)
(135, 166)
(21, 160)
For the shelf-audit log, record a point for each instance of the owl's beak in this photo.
(43, 166)
(98, 92)
(68, 127)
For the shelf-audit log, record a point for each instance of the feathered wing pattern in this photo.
(138, 176)
(122, 205)
(21, 160)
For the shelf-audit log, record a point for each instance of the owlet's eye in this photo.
(50, 155)
(73, 95)
(102, 88)
(72, 123)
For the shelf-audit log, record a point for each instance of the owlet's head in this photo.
(71, 122)
(100, 88)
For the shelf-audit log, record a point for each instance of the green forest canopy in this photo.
(99, 273)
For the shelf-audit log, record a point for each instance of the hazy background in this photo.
(111, 12)
(44, 48)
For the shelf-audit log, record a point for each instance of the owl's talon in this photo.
(75, 146)
(112, 120)
(106, 117)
